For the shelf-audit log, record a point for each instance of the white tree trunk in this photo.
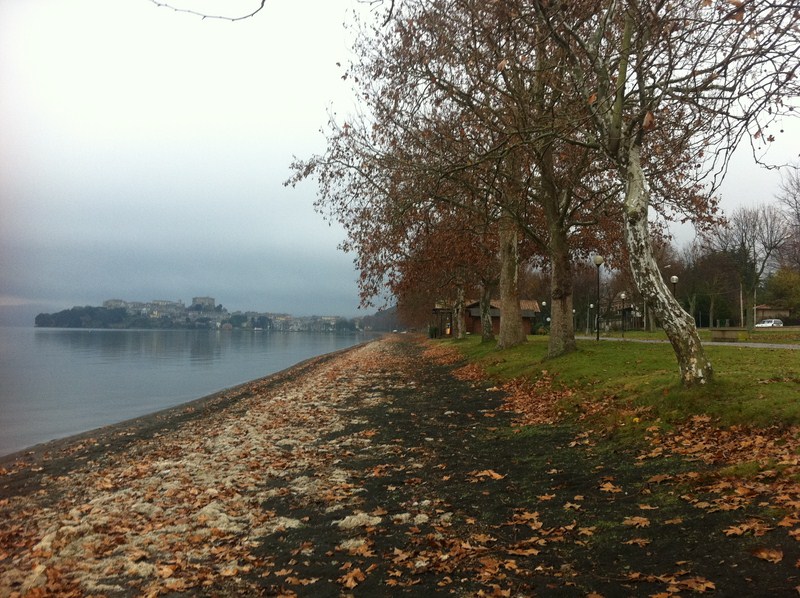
(695, 368)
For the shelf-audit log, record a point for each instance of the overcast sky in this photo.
(143, 153)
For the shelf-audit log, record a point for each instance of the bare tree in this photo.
(752, 239)
(696, 77)
(789, 196)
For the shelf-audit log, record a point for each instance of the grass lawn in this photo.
(751, 386)
(782, 335)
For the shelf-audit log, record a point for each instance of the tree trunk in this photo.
(691, 303)
(487, 331)
(649, 320)
(562, 325)
(741, 306)
(711, 312)
(695, 368)
(458, 314)
(511, 331)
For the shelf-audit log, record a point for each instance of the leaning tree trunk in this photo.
(487, 330)
(695, 368)
(511, 330)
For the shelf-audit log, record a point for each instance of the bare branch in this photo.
(202, 15)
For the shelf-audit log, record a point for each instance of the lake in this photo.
(59, 382)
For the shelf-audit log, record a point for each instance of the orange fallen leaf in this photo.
(489, 473)
(657, 479)
(771, 555)
(352, 578)
(523, 551)
(698, 584)
(636, 521)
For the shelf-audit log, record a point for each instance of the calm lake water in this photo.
(59, 382)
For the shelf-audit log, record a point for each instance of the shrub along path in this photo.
(394, 469)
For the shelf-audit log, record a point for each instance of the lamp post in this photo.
(588, 317)
(674, 280)
(598, 261)
(622, 296)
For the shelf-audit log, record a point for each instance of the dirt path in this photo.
(377, 472)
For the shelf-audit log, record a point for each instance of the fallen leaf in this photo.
(657, 479)
(771, 555)
(352, 578)
(636, 521)
(676, 521)
(489, 473)
(697, 584)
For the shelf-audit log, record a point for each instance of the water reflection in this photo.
(55, 382)
(123, 345)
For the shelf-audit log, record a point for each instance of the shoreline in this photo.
(39, 458)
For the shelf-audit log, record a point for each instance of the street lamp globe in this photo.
(598, 260)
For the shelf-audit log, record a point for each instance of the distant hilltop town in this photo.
(203, 312)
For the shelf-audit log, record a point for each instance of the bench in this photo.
(730, 335)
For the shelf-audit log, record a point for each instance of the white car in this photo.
(769, 323)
